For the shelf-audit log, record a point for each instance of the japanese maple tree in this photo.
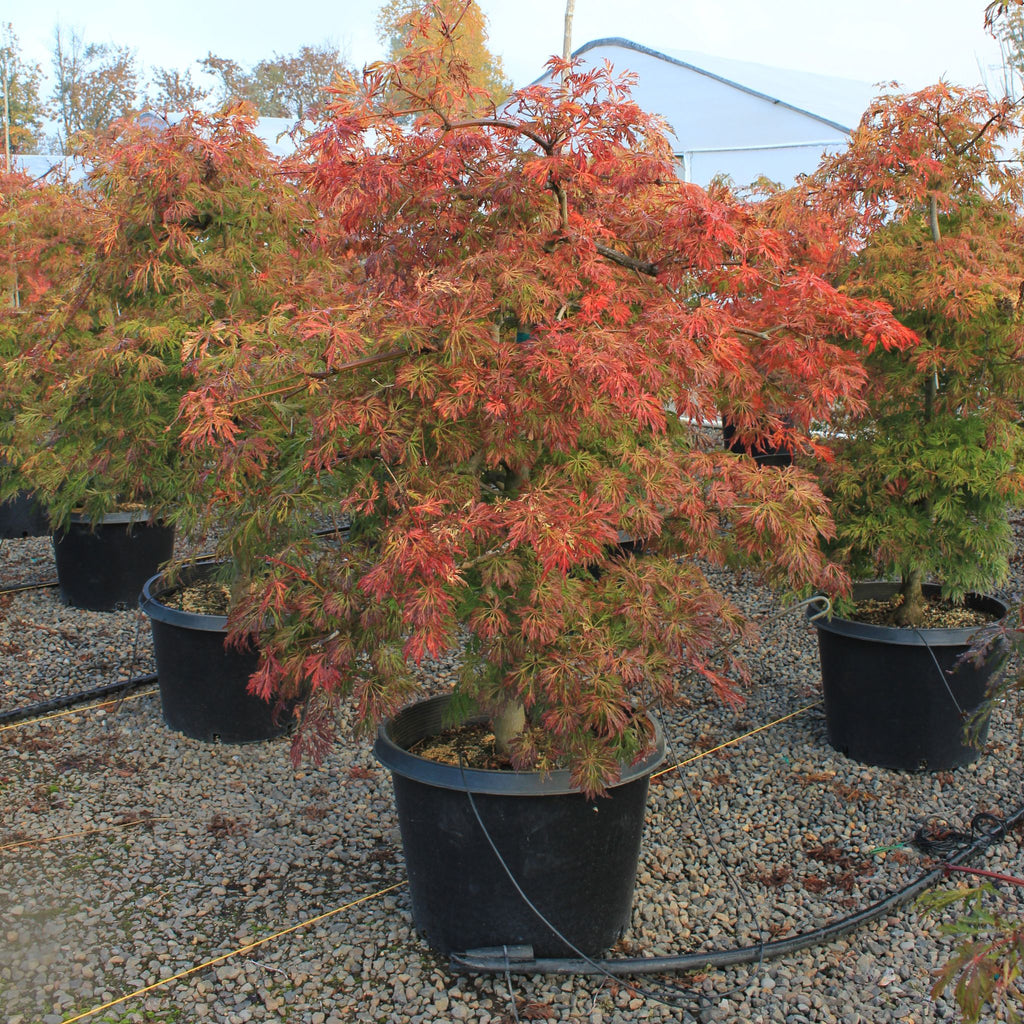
(172, 227)
(929, 206)
(529, 318)
(43, 232)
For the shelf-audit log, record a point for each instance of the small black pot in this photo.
(22, 516)
(763, 454)
(894, 696)
(102, 567)
(574, 858)
(204, 683)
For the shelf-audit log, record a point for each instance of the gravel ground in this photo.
(130, 854)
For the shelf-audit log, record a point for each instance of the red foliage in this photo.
(524, 319)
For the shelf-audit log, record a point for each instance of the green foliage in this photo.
(173, 231)
(929, 214)
(985, 971)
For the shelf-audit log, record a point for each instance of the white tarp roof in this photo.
(736, 117)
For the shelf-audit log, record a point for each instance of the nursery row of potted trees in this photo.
(488, 344)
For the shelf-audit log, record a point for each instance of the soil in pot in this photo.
(103, 566)
(204, 683)
(574, 858)
(903, 698)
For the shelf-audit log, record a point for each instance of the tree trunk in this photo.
(508, 723)
(911, 611)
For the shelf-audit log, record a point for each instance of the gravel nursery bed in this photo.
(129, 854)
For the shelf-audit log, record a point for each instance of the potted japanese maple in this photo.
(924, 480)
(41, 238)
(176, 227)
(528, 318)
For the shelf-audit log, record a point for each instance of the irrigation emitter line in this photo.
(520, 960)
(70, 700)
(76, 710)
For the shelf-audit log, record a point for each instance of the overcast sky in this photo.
(914, 42)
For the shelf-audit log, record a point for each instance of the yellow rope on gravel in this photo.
(729, 743)
(76, 711)
(235, 952)
(320, 917)
(87, 832)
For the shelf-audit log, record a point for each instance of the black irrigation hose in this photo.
(69, 700)
(520, 958)
(16, 588)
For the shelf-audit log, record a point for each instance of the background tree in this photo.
(407, 25)
(174, 227)
(1008, 31)
(176, 90)
(93, 85)
(234, 85)
(20, 105)
(296, 85)
(282, 86)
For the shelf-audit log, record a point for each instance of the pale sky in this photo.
(914, 42)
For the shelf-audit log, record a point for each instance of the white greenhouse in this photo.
(737, 118)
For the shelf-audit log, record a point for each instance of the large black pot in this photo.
(22, 516)
(574, 858)
(901, 698)
(102, 566)
(204, 683)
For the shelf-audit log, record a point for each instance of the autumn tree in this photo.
(21, 108)
(529, 318)
(175, 90)
(405, 26)
(297, 84)
(93, 85)
(174, 228)
(930, 215)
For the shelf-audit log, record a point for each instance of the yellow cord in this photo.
(729, 743)
(319, 917)
(76, 711)
(234, 952)
(86, 832)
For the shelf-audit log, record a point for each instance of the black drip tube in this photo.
(69, 700)
(520, 959)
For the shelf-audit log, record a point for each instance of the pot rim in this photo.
(157, 586)
(930, 636)
(489, 781)
(138, 515)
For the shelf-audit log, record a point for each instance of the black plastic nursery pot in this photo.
(574, 858)
(22, 516)
(900, 698)
(203, 683)
(102, 567)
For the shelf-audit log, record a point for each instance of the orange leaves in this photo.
(562, 529)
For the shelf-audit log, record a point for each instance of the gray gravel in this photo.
(144, 854)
